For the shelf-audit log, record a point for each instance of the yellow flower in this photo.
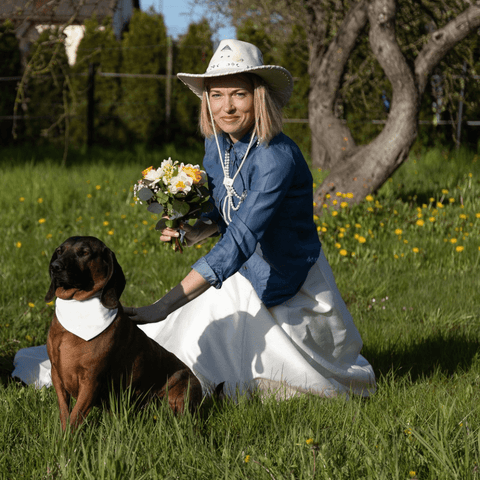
(338, 194)
(439, 205)
(327, 195)
(395, 256)
(49, 235)
(444, 191)
(42, 220)
(334, 213)
(349, 195)
(145, 222)
(28, 338)
(431, 219)
(338, 245)
(105, 223)
(18, 244)
(460, 248)
(420, 223)
(453, 240)
(357, 225)
(362, 239)
(89, 195)
(324, 229)
(369, 198)
(415, 250)
(144, 172)
(341, 235)
(40, 200)
(344, 204)
(370, 209)
(314, 204)
(477, 215)
(31, 305)
(343, 252)
(247, 459)
(463, 216)
(412, 473)
(110, 232)
(22, 199)
(315, 218)
(451, 200)
(98, 187)
(309, 441)
(398, 231)
(51, 304)
(334, 202)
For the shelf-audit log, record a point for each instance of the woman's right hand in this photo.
(193, 234)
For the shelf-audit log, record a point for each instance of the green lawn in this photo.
(406, 261)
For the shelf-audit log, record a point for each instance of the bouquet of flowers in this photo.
(175, 191)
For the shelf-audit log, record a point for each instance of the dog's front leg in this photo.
(85, 402)
(63, 398)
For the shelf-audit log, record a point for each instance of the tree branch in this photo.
(442, 41)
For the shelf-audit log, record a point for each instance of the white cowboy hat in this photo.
(233, 56)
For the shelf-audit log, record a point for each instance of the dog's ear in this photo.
(115, 283)
(51, 290)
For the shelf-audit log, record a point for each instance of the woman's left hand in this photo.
(150, 314)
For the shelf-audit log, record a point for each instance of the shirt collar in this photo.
(241, 146)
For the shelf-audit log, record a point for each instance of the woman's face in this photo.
(231, 99)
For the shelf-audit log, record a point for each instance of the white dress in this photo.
(307, 344)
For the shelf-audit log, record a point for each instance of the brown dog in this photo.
(83, 269)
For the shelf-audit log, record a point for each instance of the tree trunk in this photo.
(361, 170)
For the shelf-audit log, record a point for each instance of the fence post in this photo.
(91, 103)
(460, 104)
(168, 88)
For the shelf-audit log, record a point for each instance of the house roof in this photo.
(56, 11)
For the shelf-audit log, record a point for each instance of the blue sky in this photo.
(178, 15)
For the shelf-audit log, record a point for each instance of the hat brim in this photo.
(279, 80)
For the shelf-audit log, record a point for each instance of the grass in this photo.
(412, 291)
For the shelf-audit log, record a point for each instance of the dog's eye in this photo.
(83, 253)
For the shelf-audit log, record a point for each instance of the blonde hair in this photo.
(268, 113)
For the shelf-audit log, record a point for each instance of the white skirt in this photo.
(307, 344)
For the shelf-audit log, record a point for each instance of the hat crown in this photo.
(233, 54)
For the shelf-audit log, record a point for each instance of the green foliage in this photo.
(144, 50)
(192, 55)
(10, 66)
(99, 47)
(417, 314)
(46, 91)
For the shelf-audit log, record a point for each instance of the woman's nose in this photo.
(228, 104)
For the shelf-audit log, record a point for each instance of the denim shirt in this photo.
(272, 239)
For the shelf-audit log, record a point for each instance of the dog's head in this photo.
(82, 267)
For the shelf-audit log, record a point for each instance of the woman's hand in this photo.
(150, 314)
(199, 232)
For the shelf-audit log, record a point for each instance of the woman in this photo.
(275, 317)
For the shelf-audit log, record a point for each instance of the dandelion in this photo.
(49, 235)
(369, 198)
(444, 191)
(459, 248)
(31, 304)
(451, 200)
(396, 256)
(315, 218)
(110, 232)
(18, 244)
(431, 219)
(453, 240)
(412, 473)
(28, 338)
(247, 459)
(463, 216)
(40, 200)
(362, 239)
(344, 204)
(314, 204)
(420, 223)
(335, 202)
(334, 213)
(343, 252)
(89, 195)
(350, 195)
(22, 199)
(357, 225)
(398, 231)
(145, 222)
(440, 205)
(338, 194)
(477, 215)
(415, 250)
(41, 220)
(98, 187)
(309, 441)
(105, 223)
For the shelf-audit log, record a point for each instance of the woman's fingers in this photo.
(168, 234)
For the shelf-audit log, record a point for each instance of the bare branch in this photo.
(442, 41)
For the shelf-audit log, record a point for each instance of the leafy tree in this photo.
(10, 66)
(144, 50)
(99, 47)
(194, 50)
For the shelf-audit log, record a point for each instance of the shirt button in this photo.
(245, 268)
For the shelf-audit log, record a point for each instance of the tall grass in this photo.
(405, 260)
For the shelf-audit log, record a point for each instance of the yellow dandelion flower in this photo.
(405, 241)
(415, 250)
(440, 205)
(395, 256)
(105, 223)
(315, 218)
(314, 204)
(451, 200)
(370, 209)
(327, 195)
(362, 239)
(334, 213)
(477, 215)
(110, 232)
(338, 194)
(49, 235)
(412, 473)
(444, 191)
(145, 222)
(98, 187)
(463, 216)
(319, 228)
(398, 231)
(420, 223)
(341, 235)
(22, 199)
(41, 220)
(338, 245)
(18, 244)
(344, 204)
(369, 198)
(40, 200)
(309, 441)
(460, 248)
(28, 338)
(453, 240)
(343, 252)
(431, 219)
(334, 202)
(89, 195)
(350, 195)
(247, 459)
(357, 225)
(324, 229)
(51, 304)
(31, 304)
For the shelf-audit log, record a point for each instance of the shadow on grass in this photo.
(445, 352)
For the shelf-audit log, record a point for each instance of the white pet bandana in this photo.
(85, 319)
